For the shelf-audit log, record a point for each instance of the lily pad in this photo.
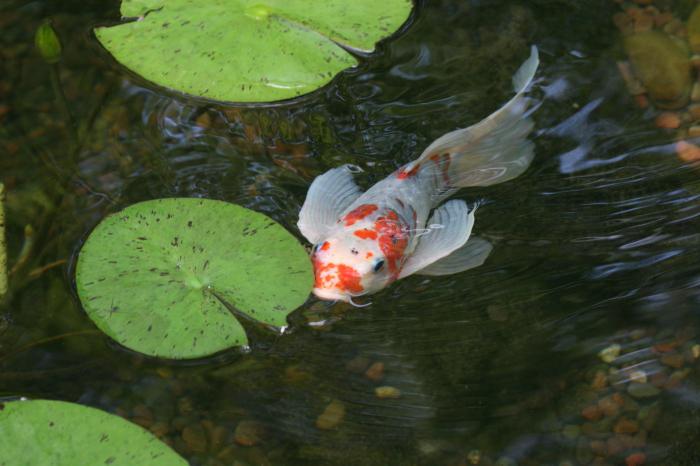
(56, 433)
(248, 50)
(150, 275)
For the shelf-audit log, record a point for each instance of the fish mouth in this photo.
(330, 295)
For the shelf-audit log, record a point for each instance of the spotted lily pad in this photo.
(151, 275)
(248, 50)
(56, 433)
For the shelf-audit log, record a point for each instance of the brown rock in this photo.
(625, 426)
(609, 407)
(641, 100)
(673, 26)
(623, 22)
(143, 411)
(294, 374)
(160, 429)
(144, 422)
(694, 111)
(332, 416)
(635, 459)
(195, 438)
(592, 413)
(634, 85)
(358, 364)
(665, 347)
(676, 378)
(674, 360)
(375, 372)
(615, 446)
(248, 433)
(662, 18)
(644, 22)
(599, 447)
(662, 66)
(204, 120)
(694, 30)
(658, 379)
(668, 120)
(216, 435)
(687, 152)
(600, 380)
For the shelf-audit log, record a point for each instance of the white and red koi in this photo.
(365, 241)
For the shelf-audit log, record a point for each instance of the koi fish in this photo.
(365, 241)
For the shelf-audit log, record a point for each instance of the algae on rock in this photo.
(662, 65)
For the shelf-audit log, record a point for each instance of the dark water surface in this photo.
(596, 245)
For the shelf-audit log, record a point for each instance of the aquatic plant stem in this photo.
(36, 343)
(63, 104)
(3, 246)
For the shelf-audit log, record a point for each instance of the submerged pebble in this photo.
(668, 120)
(642, 390)
(610, 353)
(195, 438)
(387, 392)
(248, 433)
(332, 416)
(662, 66)
(694, 30)
(375, 372)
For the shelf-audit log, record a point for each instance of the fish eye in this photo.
(378, 265)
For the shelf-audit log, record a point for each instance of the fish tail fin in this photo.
(492, 151)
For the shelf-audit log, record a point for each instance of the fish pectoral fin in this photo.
(469, 256)
(448, 230)
(329, 195)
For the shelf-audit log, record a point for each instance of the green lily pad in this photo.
(248, 50)
(148, 275)
(56, 433)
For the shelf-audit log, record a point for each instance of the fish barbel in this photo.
(365, 241)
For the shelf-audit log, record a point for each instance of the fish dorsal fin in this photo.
(472, 254)
(329, 195)
(449, 228)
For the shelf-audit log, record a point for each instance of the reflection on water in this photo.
(575, 343)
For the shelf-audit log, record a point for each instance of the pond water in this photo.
(595, 249)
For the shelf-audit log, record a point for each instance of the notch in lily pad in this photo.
(153, 276)
(248, 50)
(57, 433)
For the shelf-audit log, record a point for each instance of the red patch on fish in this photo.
(403, 174)
(368, 255)
(366, 234)
(349, 279)
(392, 240)
(359, 213)
(340, 276)
(325, 246)
(443, 163)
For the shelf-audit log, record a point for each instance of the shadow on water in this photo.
(596, 248)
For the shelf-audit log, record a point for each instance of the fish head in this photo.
(359, 259)
(345, 268)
